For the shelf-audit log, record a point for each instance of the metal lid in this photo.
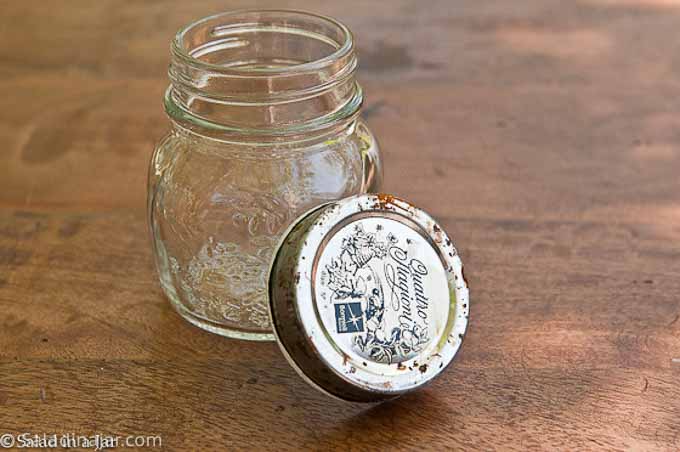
(367, 298)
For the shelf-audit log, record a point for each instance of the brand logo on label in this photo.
(349, 318)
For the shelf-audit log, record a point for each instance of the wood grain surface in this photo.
(545, 137)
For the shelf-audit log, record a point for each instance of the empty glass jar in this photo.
(265, 125)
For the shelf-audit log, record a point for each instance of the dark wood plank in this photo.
(543, 135)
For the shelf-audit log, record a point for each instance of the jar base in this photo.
(216, 328)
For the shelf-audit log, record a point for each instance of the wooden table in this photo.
(545, 137)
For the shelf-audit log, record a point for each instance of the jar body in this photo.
(217, 210)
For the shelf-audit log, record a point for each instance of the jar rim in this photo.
(344, 48)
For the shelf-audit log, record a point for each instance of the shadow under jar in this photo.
(265, 126)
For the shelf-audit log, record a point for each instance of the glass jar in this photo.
(265, 126)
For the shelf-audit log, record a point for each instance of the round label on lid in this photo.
(381, 290)
(368, 298)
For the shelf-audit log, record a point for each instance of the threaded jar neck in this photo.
(263, 72)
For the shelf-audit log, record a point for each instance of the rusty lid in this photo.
(367, 298)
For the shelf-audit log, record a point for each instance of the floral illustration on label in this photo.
(378, 294)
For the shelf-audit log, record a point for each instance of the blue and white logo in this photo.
(349, 318)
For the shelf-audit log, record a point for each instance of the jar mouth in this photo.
(196, 43)
(271, 71)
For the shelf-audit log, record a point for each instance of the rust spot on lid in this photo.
(437, 233)
(385, 200)
(462, 272)
(423, 368)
